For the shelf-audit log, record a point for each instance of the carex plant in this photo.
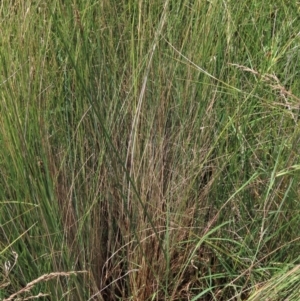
(149, 150)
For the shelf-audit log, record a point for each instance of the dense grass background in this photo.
(149, 150)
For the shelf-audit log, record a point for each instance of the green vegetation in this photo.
(149, 150)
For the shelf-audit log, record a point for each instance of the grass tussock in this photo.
(151, 148)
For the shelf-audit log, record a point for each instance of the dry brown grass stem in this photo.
(2, 285)
(273, 81)
(133, 133)
(43, 278)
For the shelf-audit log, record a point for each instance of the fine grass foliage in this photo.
(149, 150)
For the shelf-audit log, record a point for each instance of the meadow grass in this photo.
(149, 150)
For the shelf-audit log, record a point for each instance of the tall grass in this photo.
(149, 150)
